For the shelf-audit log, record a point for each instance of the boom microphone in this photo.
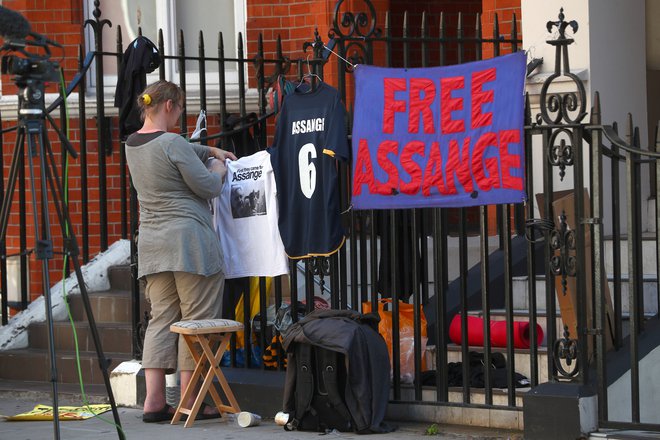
(13, 26)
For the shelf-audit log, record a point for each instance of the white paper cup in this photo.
(246, 419)
(281, 418)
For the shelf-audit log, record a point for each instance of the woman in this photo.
(178, 250)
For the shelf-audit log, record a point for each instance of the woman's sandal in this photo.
(202, 416)
(164, 415)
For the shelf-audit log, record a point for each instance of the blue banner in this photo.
(440, 136)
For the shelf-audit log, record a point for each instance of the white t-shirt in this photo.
(245, 217)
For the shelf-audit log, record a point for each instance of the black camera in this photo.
(30, 68)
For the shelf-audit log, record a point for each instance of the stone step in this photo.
(522, 360)
(500, 415)
(109, 306)
(521, 295)
(115, 338)
(120, 277)
(648, 251)
(455, 395)
(33, 364)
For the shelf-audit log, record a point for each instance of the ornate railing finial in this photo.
(317, 44)
(97, 26)
(97, 9)
(567, 108)
(562, 25)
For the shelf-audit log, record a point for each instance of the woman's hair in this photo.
(157, 93)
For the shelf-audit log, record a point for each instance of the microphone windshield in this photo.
(13, 26)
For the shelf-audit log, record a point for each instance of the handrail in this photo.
(613, 137)
(87, 62)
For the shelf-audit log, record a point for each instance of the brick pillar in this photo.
(505, 10)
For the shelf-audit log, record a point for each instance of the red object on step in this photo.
(475, 329)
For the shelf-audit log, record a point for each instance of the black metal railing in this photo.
(623, 325)
(606, 330)
(426, 257)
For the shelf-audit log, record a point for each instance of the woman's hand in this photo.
(218, 167)
(221, 154)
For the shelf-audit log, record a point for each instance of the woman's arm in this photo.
(221, 154)
(205, 151)
(199, 179)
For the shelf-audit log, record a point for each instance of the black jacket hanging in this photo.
(141, 57)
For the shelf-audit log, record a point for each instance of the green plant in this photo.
(432, 430)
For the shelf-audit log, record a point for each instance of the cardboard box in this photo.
(564, 202)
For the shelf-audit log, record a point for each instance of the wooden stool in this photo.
(207, 365)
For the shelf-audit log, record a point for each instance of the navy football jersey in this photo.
(309, 136)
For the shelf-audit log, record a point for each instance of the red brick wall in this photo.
(450, 9)
(505, 10)
(293, 21)
(61, 21)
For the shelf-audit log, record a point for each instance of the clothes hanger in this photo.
(309, 75)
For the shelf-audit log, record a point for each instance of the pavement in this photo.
(16, 398)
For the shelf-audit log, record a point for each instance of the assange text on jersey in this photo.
(308, 125)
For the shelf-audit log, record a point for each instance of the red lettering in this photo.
(481, 97)
(364, 171)
(411, 167)
(485, 182)
(433, 173)
(391, 105)
(458, 162)
(509, 160)
(449, 104)
(421, 105)
(385, 148)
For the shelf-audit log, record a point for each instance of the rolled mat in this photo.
(475, 330)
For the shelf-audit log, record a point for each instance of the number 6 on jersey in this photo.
(307, 169)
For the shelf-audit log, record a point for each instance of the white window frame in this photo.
(166, 20)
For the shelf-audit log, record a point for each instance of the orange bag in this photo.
(406, 334)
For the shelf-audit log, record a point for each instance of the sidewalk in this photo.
(14, 401)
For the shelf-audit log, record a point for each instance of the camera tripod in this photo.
(32, 126)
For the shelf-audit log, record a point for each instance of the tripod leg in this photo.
(72, 251)
(44, 251)
(11, 183)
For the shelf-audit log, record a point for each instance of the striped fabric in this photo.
(207, 324)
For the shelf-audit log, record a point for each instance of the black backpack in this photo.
(319, 392)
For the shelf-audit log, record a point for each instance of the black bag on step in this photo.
(319, 392)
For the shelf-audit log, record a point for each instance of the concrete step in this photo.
(110, 306)
(120, 277)
(648, 251)
(33, 364)
(522, 360)
(455, 395)
(521, 295)
(115, 338)
(499, 416)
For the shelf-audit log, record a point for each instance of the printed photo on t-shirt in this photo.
(248, 199)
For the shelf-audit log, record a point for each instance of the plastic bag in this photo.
(406, 334)
(200, 126)
(283, 319)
